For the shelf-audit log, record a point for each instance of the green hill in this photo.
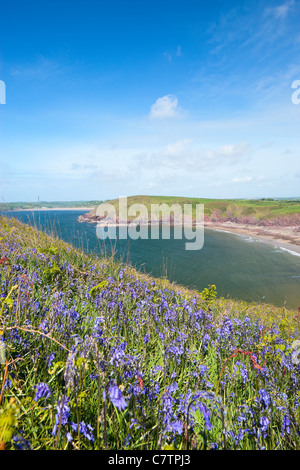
(254, 211)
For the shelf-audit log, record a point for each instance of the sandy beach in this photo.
(284, 237)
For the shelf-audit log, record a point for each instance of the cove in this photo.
(241, 268)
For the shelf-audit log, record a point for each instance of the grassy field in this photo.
(260, 210)
(94, 355)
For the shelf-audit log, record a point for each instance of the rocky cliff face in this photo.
(89, 217)
(292, 220)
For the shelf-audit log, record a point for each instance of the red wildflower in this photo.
(141, 383)
(246, 353)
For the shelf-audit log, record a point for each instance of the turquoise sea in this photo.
(241, 267)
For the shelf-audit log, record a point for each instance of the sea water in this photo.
(241, 267)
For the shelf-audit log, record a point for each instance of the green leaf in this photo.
(98, 287)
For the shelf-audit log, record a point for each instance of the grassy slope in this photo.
(32, 238)
(258, 209)
(58, 295)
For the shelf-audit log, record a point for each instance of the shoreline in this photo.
(285, 237)
(34, 209)
(282, 237)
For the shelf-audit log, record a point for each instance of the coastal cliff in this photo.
(259, 213)
(268, 219)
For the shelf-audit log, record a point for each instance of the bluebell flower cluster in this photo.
(96, 344)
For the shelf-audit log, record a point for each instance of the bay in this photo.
(241, 268)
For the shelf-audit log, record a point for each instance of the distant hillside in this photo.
(246, 211)
(10, 206)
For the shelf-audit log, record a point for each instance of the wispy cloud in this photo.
(42, 68)
(252, 33)
(170, 56)
(280, 11)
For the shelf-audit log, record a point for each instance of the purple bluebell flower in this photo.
(146, 338)
(50, 359)
(20, 443)
(241, 418)
(286, 425)
(206, 340)
(94, 376)
(214, 446)
(42, 391)
(127, 441)
(238, 437)
(177, 426)
(85, 429)
(135, 423)
(265, 399)
(62, 414)
(208, 384)
(156, 369)
(173, 387)
(203, 369)
(7, 384)
(264, 423)
(116, 396)
(206, 415)
(244, 374)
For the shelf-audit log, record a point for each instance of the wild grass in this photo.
(97, 356)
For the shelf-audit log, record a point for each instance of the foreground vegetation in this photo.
(96, 356)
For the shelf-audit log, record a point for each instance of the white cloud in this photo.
(184, 157)
(233, 150)
(177, 148)
(165, 107)
(281, 11)
(244, 179)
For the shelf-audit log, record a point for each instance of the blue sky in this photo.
(113, 98)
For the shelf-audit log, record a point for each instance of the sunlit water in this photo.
(241, 267)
